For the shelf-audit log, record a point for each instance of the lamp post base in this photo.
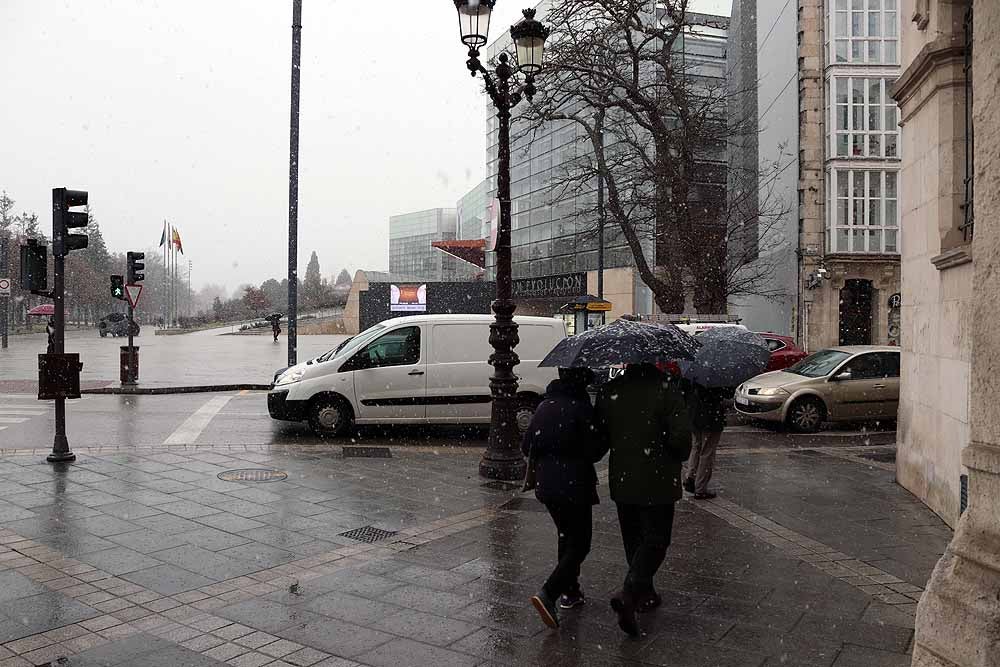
(502, 469)
(60, 457)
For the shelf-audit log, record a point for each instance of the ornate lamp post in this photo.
(502, 459)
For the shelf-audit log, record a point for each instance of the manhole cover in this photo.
(367, 452)
(368, 534)
(253, 475)
(524, 505)
(502, 486)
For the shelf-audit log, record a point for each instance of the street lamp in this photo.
(502, 459)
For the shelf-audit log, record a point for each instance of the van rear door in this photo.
(458, 375)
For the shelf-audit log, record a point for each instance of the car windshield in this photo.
(350, 345)
(819, 364)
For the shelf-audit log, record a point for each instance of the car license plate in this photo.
(742, 400)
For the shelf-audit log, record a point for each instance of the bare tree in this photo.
(655, 115)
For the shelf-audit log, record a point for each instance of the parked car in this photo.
(850, 382)
(423, 369)
(784, 351)
(116, 324)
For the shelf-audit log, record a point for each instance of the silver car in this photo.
(849, 382)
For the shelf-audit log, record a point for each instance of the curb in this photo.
(195, 389)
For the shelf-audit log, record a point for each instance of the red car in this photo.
(784, 351)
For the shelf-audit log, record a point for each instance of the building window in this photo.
(968, 221)
(865, 31)
(865, 118)
(864, 216)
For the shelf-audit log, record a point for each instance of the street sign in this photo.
(4, 286)
(132, 292)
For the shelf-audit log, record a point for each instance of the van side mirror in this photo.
(843, 375)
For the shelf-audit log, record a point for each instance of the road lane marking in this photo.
(13, 420)
(188, 432)
(22, 411)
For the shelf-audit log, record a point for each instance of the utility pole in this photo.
(4, 299)
(189, 289)
(293, 186)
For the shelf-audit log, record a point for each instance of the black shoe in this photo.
(546, 609)
(623, 606)
(649, 602)
(689, 485)
(705, 495)
(570, 600)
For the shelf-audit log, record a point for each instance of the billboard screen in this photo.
(408, 298)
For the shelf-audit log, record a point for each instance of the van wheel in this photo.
(330, 417)
(523, 413)
(807, 415)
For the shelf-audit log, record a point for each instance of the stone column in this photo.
(958, 620)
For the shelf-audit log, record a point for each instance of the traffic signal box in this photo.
(136, 267)
(118, 287)
(64, 240)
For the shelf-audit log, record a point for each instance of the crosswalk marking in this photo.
(13, 420)
(22, 411)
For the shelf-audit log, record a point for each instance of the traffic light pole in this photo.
(132, 379)
(60, 445)
(293, 188)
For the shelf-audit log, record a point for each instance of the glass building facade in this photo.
(556, 235)
(411, 255)
(472, 210)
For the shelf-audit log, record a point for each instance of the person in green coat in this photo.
(645, 416)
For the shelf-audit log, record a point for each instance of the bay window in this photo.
(863, 216)
(865, 31)
(865, 119)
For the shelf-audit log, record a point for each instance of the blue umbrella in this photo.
(728, 357)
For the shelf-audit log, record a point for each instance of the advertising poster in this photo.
(408, 298)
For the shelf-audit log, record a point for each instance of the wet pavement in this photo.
(143, 555)
(206, 357)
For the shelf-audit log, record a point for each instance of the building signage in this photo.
(896, 300)
(408, 298)
(569, 284)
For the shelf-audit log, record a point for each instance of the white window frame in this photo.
(850, 22)
(869, 228)
(859, 117)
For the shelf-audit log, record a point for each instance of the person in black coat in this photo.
(708, 419)
(562, 443)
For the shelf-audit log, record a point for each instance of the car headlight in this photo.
(771, 391)
(288, 377)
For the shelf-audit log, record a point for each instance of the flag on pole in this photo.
(176, 240)
(163, 236)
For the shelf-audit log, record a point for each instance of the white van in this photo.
(429, 369)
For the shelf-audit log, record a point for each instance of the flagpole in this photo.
(163, 267)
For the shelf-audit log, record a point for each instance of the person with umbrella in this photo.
(728, 356)
(645, 417)
(275, 324)
(562, 444)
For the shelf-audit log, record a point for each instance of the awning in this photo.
(472, 251)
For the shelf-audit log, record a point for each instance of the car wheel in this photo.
(523, 413)
(807, 415)
(330, 417)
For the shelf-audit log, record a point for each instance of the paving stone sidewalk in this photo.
(147, 557)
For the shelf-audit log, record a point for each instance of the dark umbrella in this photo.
(728, 357)
(622, 342)
(274, 316)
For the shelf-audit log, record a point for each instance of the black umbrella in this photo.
(274, 316)
(728, 357)
(622, 342)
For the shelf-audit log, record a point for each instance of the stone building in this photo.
(949, 421)
(848, 189)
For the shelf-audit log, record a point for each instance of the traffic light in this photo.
(136, 267)
(64, 220)
(118, 287)
(34, 266)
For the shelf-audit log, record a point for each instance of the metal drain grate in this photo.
(253, 475)
(524, 505)
(368, 534)
(881, 457)
(502, 486)
(367, 452)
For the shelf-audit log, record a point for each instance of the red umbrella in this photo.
(44, 309)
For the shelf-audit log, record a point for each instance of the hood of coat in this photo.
(562, 388)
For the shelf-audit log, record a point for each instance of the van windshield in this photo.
(352, 344)
(819, 364)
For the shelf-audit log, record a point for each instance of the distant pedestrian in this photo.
(50, 332)
(708, 419)
(562, 444)
(276, 328)
(645, 416)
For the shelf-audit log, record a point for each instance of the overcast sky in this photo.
(178, 110)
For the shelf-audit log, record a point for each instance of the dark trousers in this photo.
(575, 526)
(646, 531)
